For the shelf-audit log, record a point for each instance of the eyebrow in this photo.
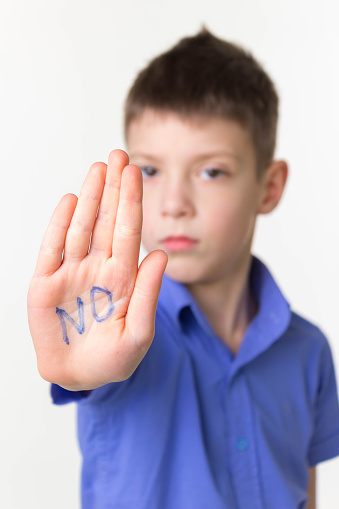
(199, 157)
(208, 155)
(144, 155)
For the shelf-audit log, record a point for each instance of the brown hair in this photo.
(206, 75)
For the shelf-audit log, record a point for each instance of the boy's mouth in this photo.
(178, 243)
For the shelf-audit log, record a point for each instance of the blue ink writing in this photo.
(63, 315)
(80, 327)
(97, 289)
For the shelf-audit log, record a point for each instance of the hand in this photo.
(91, 310)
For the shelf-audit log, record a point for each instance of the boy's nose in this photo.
(177, 200)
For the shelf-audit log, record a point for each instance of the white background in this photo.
(65, 69)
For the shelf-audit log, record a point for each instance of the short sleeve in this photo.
(324, 443)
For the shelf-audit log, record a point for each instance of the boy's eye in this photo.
(148, 171)
(212, 173)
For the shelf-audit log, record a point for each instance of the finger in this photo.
(127, 231)
(80, 230)
(105, 221)
(53, 243)
(140, 316)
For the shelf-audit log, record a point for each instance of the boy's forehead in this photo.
(154, 133)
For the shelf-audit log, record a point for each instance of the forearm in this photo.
(311, 490)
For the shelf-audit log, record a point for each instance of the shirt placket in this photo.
(242, 445)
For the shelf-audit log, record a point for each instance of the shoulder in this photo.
(307, 334)
(310, 340)
(301, 326)
(312, 352)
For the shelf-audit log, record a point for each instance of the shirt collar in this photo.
(272, 319)
(175, 297)
(270, 322)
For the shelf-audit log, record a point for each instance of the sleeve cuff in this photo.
(62, 396)
(324, 451)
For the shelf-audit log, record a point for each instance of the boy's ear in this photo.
(273, 182)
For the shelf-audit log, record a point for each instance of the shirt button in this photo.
(242, 444)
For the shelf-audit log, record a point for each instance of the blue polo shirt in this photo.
(196, 427)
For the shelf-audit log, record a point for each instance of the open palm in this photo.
(91, 309)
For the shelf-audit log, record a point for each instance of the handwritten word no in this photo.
(80, 325)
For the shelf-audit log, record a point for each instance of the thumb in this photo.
(140, 317)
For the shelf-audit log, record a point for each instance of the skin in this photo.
(94, 240)
(312, 489)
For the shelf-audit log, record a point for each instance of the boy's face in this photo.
(201, 194)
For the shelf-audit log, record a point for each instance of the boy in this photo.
(235, 401)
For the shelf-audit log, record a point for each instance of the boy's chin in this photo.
(180, 278)
(187, 274)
